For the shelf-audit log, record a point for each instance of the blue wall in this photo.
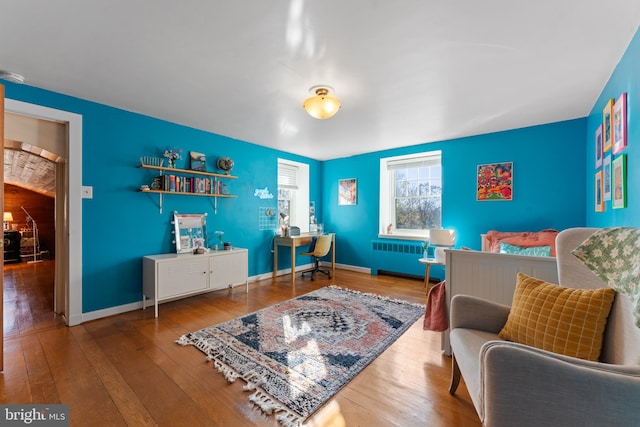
(625, 78)
(121, 225)
(549, 192)
(553, 186)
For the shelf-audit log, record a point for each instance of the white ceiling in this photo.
(406, 71)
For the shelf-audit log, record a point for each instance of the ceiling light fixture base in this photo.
(322, 104)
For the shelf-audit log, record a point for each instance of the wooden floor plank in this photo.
(128, 370)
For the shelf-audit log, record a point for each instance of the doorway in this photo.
(68, 210)
(29, 224)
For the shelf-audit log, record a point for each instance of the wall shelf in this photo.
(217, 177)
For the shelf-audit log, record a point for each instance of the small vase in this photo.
(172, 163)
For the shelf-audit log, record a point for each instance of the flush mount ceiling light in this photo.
(11, 77)
(322, 104)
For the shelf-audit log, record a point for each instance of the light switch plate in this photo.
(87, 192)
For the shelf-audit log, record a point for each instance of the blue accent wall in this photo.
(625, 78)
(553, 186)
(121, 225)
(549, 192)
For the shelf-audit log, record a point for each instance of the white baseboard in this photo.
(98, 314)
(106, 312)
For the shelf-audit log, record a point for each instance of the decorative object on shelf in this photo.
(151, 161)
(495, 182)
(198, 161)
(225, 164)
(425, 249)
(173, 154)
(441, 239)
(220, 244)
(190, 231)
(322, 104)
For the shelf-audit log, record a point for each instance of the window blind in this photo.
(287, 176)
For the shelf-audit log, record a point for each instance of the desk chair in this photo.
(321, 248)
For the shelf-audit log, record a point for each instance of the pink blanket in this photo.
(435, 316)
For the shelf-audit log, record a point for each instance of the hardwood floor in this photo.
(127, 370)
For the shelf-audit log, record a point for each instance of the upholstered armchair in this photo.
(519, 385)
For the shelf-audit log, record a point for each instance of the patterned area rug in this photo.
(297, 354)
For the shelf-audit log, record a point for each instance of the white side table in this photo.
(428, 262)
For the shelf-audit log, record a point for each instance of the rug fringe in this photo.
(289, 419)
(266, 403)
(228, 373)
(183, 340)
(253, 380)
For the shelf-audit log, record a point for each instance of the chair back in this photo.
(621, 343)
(323, 245)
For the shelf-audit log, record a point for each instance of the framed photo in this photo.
(620, 124)
(599, 192)
(347, 191)
(619, 183)
(198, 161)
(606, 177)
(495, 182)
(598, 146)
(607, 125)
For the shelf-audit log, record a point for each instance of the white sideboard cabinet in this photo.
(171, 276)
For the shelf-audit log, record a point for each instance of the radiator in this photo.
(399, 257)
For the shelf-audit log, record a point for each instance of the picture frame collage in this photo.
(610, 141)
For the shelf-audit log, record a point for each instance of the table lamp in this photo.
(441, 239)
(7, 218)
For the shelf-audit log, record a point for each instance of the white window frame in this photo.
(299, 209)
(387, 206)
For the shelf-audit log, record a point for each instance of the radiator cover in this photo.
(399, 256)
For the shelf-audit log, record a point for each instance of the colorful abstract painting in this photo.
(495, 182)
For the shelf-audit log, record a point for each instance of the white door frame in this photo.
(73, 303)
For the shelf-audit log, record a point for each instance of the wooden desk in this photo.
(293, 242)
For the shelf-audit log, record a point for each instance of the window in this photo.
(293, 194)
(410, 194)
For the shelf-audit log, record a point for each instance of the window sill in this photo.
(403, 237)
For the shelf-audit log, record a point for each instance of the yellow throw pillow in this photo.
(558, 319)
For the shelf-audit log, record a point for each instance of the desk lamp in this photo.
(441, 239)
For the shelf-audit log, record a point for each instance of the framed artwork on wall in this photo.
(620, 124)
(347, 191)
(607, 125)
(599, 192)
(494, 181)
(619, 183)
(598, 146)
(606, 177)
(198, 161)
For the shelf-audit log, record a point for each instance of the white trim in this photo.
(106, 312)
(74, 291)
